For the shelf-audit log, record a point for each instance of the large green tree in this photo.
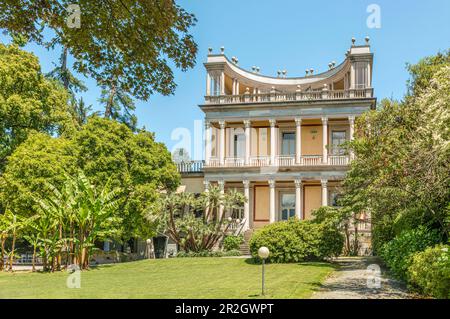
(128, 44)
(108, 152)
(29, 102)
(135, 162)
(402, 169)
(38, 161)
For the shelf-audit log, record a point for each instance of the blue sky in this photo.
(291, 35)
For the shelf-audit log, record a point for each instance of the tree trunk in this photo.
(109, 104)
(33, 261)
(64, 72)
(2, 253)
(11, 258)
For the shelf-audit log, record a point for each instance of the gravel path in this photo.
(349, 281)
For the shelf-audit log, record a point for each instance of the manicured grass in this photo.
(173, 278)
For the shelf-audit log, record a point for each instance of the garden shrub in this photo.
(430, 271)
(294, 241)
(397, 253)
(232, 242)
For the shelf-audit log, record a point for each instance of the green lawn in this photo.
(172, 278)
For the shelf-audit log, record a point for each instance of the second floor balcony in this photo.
(288, 142)
(276, 96)
(280, 161)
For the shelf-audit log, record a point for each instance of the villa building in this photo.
(279, 139)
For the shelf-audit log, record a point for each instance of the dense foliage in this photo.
(67, 223)
(124, 45)
(402, 168)
(196, 224)
(232, 242)
(294, 241)
(29, 102)
(107, 152)
(430, 271)
(398, 253)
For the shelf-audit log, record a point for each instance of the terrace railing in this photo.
(290, 96)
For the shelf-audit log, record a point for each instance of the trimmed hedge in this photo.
(294, 241)
(430, 271)
(206, 253)
(232, 242)
(397, 253)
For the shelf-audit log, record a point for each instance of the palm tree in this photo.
(176, 214)
(94, 215)
(3, 237)
(13, 225)
(34, 240)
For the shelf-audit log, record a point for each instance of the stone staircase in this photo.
(244, 248)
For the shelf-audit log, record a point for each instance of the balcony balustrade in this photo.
(290, 96)
(281, 161)
(285, 160)
(234, 161)
(190, 167)
(259, 161)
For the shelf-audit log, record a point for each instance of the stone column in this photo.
(325, 139)
(222, 83)
(247, 125)
(247, 204)
(298, 199)
(206, 184)
(272, 141)
(272, 201)
(221, 184)
(298, 141)
(208, 84)
(324, 183)
(351, 120)
(222, 142)
(207, 142)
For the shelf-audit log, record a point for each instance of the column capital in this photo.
(222, 124)
(298, 183)
(324, 120)
(206, 184)
(246, 183)
(324, 182)
(298, 121)
(247, 123)
(271, 183)
(207, 124)
(272, 122)
(221, 184)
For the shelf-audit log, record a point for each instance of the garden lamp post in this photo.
(263, 253)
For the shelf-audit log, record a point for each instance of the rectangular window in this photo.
(287, 202)
(337, 139)
(288, 144)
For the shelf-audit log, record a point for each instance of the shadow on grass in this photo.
(255, 261)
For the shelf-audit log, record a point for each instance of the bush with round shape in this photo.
(232, 242)
(295, 241)
(430, 271)
(397, 253)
